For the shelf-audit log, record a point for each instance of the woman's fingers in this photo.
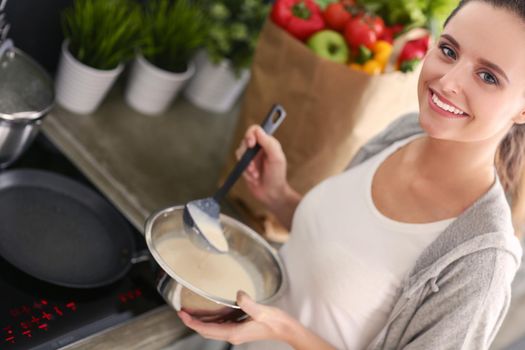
(247, 304)
(252, 170)
(271, 146)
(235, 333)
(218, 331)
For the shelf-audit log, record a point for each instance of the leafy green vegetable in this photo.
(102, 33)
(173, 31)
(412, 13)
(234, 30)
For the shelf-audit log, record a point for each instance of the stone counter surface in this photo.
(142, 164)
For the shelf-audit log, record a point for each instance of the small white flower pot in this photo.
(151, 89)
(215, 87)
(81, 88)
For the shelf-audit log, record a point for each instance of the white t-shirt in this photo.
(345, 260)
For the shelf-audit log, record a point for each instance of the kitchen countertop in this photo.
(141, 164)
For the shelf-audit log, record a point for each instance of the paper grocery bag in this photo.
(332, 110)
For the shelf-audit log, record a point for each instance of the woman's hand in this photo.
(265, 323)
(266, 175)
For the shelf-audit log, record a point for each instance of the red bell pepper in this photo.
(412, 53)
(300, 18)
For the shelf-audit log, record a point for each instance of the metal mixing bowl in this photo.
(253, 252)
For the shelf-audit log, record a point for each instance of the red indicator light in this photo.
(72, 306)
(24, 325)
(43, 326)
(10, 339)
(47, 316)
(130, 295)
(27, 333)
(43, 302)
(58, 311)
(35, 320)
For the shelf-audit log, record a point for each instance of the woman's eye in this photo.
(488, 78)
(447, 51)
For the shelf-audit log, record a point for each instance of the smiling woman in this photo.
(412, 247)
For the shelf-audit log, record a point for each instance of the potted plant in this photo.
(100, 35)
(172, 32)
(223, 64)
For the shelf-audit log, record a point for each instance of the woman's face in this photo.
(472, 83)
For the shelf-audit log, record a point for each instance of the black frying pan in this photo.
(60, 231)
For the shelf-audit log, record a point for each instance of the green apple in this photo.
(330, 45)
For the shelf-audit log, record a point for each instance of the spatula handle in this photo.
(272, 121)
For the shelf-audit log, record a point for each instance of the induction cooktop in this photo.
(39, 315)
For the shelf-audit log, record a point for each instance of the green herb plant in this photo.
(102, 33)
(234, 30)
(173, 32)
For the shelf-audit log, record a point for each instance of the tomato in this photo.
(387, 35)
(358, 32)
(336, 16)
(376, 22)
(396, 29)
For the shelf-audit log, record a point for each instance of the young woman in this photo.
(413, 246)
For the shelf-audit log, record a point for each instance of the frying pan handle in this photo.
(273, 119)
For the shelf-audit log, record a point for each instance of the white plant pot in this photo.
(215, 87)
(151, 89)
(81, 88)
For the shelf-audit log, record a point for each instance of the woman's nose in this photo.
(452, 80)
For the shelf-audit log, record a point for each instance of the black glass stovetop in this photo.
(39, 315)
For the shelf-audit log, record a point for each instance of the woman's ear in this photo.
(520, 119)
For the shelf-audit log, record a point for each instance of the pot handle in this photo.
(141, 256)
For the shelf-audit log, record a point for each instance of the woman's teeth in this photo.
(446, 107)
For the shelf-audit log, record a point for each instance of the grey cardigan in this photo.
(458, 292)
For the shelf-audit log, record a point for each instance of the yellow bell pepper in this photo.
(382, 51)
(373, 67)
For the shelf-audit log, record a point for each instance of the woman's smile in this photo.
(444, 108)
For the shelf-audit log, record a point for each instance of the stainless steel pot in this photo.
(26, 95)
(257, 256)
